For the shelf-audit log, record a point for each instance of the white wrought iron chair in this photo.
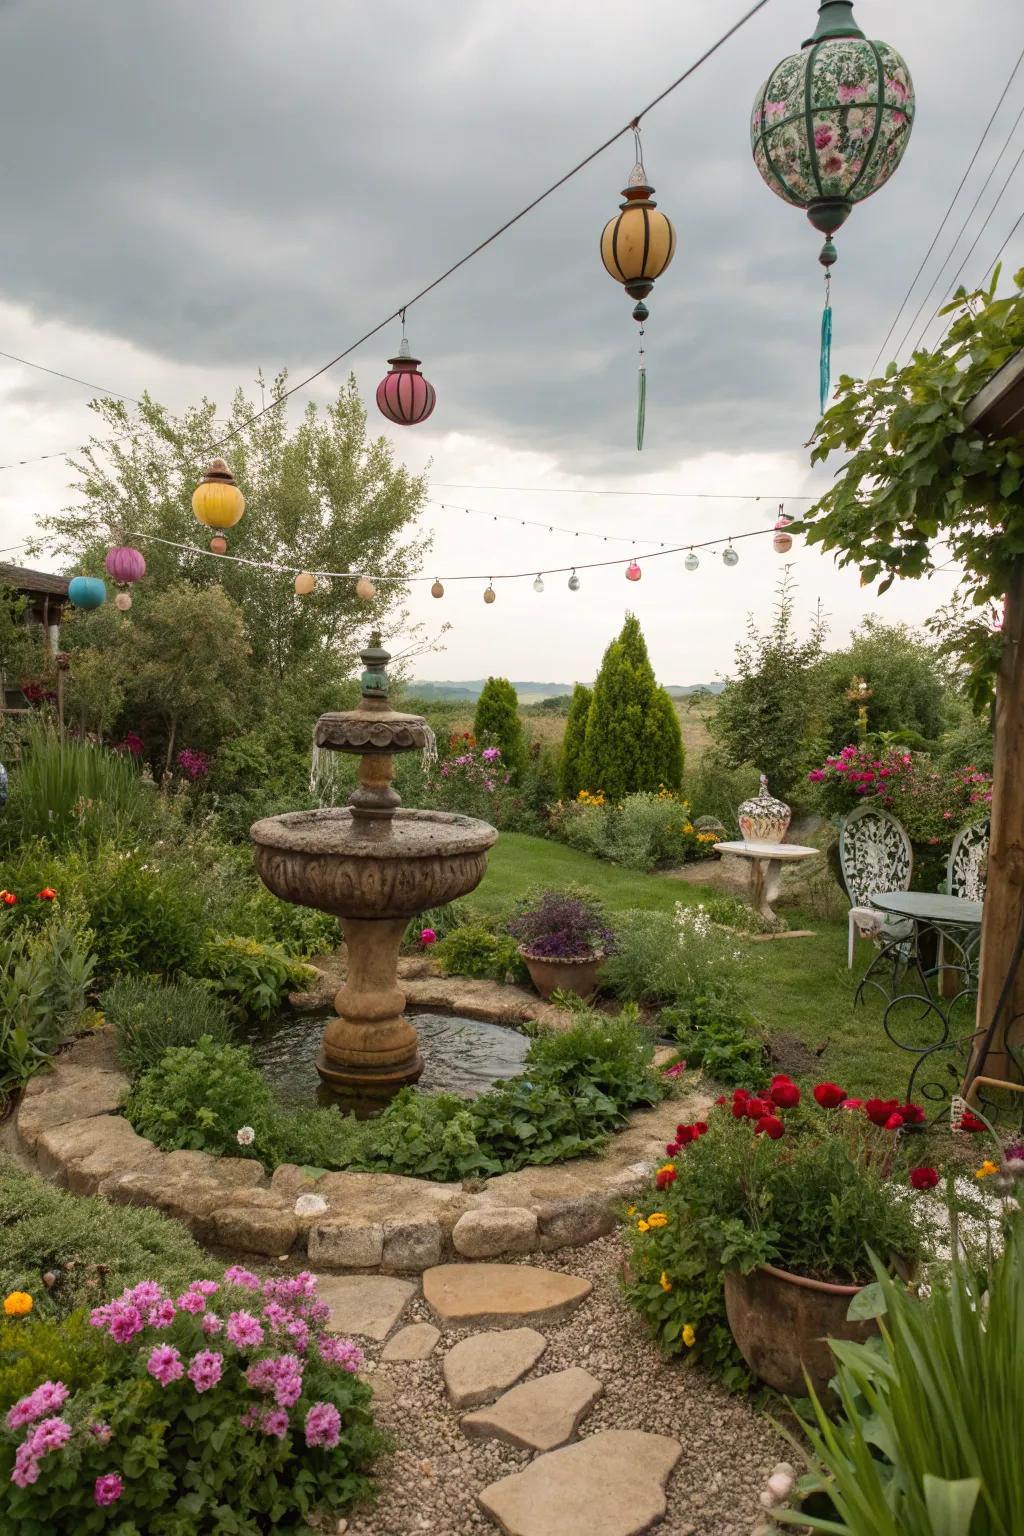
(967, 869)
(874, 855)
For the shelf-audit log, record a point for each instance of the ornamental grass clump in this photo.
(813, 1188)
(561, 925)
(228, 1407)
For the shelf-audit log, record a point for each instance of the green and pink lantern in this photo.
(829, 126)
(404, 396)
(124, 565)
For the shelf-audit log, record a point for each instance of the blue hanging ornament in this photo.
(825, 359)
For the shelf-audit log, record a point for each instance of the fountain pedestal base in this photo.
(371, 1048)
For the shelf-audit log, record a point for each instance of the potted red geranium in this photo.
(787, 1196)
(563, 938)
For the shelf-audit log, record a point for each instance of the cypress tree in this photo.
(630, 742)
(571, 781)
(497, 724)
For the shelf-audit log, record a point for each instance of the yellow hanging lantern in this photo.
(305, 582)
(636, 247)
(365, 589)
(217, 501)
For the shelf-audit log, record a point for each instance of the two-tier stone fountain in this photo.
(374, 866)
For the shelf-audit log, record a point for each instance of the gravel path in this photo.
(431, 1481)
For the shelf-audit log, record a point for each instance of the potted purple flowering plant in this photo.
(563, 937)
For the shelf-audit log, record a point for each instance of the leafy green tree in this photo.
(901, 670)
(323, 496)
(629, 744)
(768, 714)
(496, 723)
(188, 694)
(571, 767)
(919, 486)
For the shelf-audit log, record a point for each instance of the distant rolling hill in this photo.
(529, 692)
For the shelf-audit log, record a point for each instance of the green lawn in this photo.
(796, 988)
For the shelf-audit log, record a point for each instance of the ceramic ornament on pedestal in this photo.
(763, 819)
(636, 248)
(829, 126)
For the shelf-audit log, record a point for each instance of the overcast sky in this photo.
(195, 190)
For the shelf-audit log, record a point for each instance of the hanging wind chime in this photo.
(636, 247)
(830, 125)
(404, 396)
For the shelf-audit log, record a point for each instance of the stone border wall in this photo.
(67, 1124)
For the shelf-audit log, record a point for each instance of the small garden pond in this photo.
(461, 1056)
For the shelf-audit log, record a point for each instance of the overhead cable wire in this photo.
(949, 210)
(960, 234)
(581, 490)
(399, 313)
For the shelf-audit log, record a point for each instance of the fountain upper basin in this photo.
(389, 868)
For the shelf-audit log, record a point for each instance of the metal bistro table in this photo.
(766, 861)
(918, 994)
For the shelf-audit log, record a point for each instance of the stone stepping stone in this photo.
(537, 1415)
(368, 1305)
(610, 1484)
(477, 1369)
(501, 1295)
(417, 1341)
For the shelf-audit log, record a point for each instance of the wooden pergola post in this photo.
(998, 411)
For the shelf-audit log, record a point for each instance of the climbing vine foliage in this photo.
(920, 487)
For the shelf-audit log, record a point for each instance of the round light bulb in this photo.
(437, 590)
(538, 585)
(574, 582)
(365, 589)
(490, 595)
(691, 562)
(729, 556)
(633, 571)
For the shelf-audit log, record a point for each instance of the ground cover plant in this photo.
(573, 1095)
(226, 1407)
(812, 1184)
(69, 1251)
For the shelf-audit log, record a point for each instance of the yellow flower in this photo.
(667, 1168)
(987, 1167)
(665, 1282)
(631, 1210)
(643, 1226)
(657, 1219)
(689, 1336)
(18, 1304)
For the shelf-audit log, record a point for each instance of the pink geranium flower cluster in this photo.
(931, 803)
(269, 1331)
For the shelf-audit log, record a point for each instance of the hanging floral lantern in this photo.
(437, 590)
(87, 592)
(217, 502)
(636, 248)
(305, 583)
(404, 396)
(633, 571)
(829, 126)
(365, 589)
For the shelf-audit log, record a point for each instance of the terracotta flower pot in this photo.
(579, 976)
(781, 1323)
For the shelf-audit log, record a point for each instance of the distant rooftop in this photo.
(23, 580)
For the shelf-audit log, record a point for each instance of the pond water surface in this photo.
(461, 1056)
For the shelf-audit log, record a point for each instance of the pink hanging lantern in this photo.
(633, 571)
(404, 396)
(124, 564)
(782, 543)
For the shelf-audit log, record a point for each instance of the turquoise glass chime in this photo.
(830, 125)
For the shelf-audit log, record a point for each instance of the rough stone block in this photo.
(412, 1246)
(575, 1221)
(256, 1228)
(489, 1232)
(345, 1245)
